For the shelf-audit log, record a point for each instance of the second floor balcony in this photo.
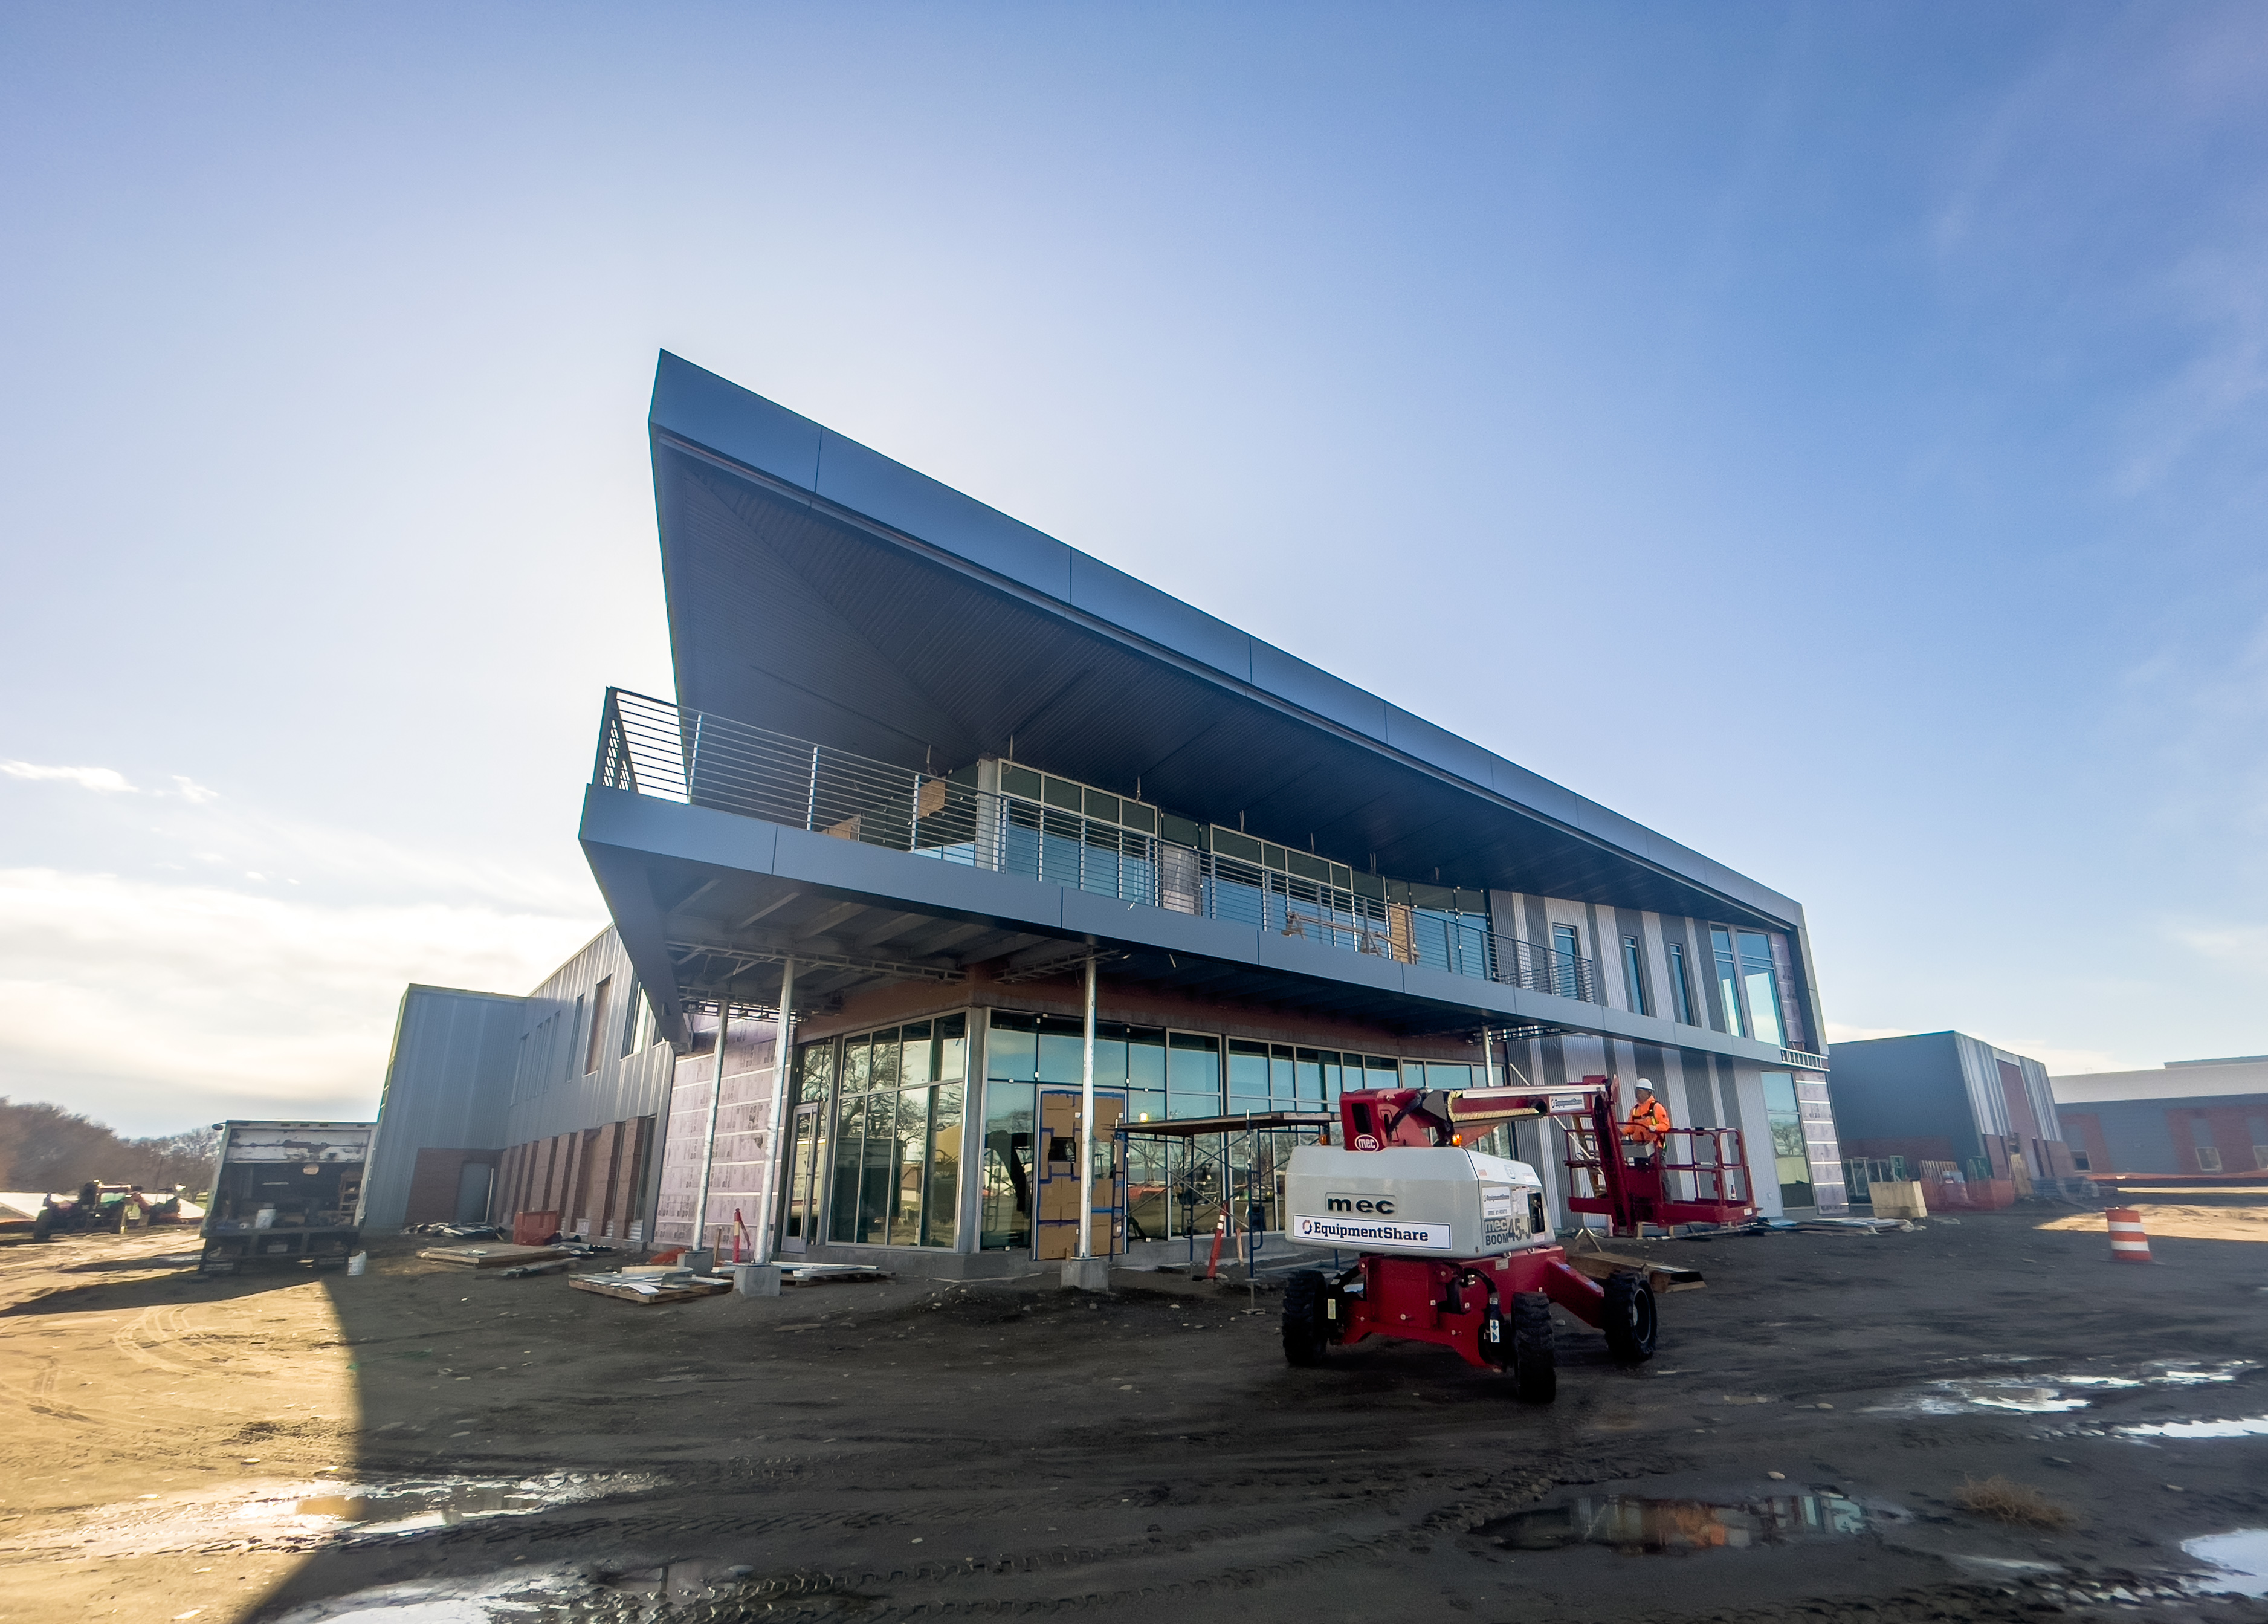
(1009, 817)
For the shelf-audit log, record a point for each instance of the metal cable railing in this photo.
(651, 747)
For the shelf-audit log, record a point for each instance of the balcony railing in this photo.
(651, 747)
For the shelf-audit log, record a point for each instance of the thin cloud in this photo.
(102, 781)
(241, 1004)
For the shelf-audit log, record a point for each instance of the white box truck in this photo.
(284, 1192)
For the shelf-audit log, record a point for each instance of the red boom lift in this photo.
(1494, 1308)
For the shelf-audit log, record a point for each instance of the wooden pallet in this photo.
(630, 1288)
(492, 1255)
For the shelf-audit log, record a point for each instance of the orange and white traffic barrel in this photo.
(2128, 1242)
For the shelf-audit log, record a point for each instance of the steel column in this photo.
(1086, 1122)
(775, 1207)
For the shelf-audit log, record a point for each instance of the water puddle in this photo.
(2250, 1427)
(566, 1594)
(2241, 1556)
(1636, 1526)
(2044, 1394)
(321, 1514)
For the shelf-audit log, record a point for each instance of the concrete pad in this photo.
(1087, 1273)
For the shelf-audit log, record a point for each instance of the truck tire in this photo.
(1628, 1319)
(1307, 1333)
(1535, 1371)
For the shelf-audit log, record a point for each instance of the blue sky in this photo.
(1831, 434)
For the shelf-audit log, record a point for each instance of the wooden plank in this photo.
(1662, 1277)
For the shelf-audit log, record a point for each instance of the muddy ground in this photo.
(457, 1446)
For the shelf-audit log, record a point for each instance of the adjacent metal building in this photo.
(1947, 1101)
(2188, 1116)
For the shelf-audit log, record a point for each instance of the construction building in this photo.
(1940, 1106)
(937, 793)
(2186, 1116)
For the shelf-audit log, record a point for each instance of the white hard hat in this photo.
(1645, 1084)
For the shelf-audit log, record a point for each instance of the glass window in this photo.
(633, 1009)
(849, 1131)
(1634, 975)
(1248, 1076)
(941, 1210)
(1783, 1114)
(952, 1047)
(905, 1193)
(1567, 965)
(602, 1004)
(1063, 1051)
(878, 1171)
(913, 1057)
(1760, 985)
(1011, 1048)
(1145, 1074)
(1681, 989)
(815, 1071)
(883, 1068)
(1728, 979)
(1281, 1095)
(1193, 1076)
(1006, 1210)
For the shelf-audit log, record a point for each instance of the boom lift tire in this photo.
(1627, 1318)
(1307, 1333)
(1535, 1375)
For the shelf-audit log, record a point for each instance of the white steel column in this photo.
(775, 1213)
(708, 1139)
(1086, 1123)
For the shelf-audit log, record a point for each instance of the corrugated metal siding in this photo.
(550, 1091)
(446, 1087)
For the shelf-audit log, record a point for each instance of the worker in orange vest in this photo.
(1648, 1127)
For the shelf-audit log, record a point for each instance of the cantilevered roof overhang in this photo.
(818, 589)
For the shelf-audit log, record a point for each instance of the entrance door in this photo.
(1057, 1168)
(799, 1228)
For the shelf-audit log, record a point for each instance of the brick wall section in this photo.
(434, 1182)
(593, 1174)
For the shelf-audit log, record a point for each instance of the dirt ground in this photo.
(420, 1444)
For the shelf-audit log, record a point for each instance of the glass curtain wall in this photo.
(897, 1136)
(1175, 1187)
(1027, 1053)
